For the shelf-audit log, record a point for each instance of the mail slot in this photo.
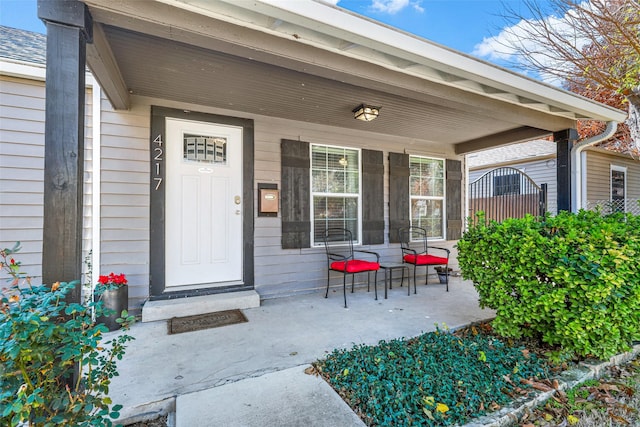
(269, 200)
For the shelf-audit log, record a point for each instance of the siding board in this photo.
(32, 140)
(7, 198)
(8, 162)
(124, 152)
(7, 112)
(124, 164)
(22, 88)
(132, 132)
(17, 124)
(125, 177)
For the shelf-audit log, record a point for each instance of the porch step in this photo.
(190, 306)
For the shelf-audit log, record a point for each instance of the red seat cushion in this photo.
(425, 259)
(355, 266)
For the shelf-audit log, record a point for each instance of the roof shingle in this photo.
(521, 151)
(22, 45)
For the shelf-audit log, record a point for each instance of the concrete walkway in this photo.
(252, 374)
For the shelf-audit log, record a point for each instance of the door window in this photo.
(205, 149)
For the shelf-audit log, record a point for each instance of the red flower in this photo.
(113, 279)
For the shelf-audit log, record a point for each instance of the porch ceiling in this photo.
(224, 59)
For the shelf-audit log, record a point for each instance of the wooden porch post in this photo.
(69, 28)
(564, 142)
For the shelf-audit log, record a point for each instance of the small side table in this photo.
(388, 276)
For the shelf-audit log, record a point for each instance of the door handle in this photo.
(237, 200)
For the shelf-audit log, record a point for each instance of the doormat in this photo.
(178, 325)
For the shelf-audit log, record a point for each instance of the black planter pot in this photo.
(114, 300)
(442, 275)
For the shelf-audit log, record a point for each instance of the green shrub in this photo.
(572, 280)
(436, 379)
(43, 341)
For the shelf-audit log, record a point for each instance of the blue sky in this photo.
(21, 14)
(460, 24)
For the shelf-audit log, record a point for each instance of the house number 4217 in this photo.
(158, 157)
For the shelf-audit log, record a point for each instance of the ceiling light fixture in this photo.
(366, 113)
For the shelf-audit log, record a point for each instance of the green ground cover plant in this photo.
(55, 366)
(571, 281)
(435, 379)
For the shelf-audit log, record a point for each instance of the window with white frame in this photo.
(618, 188)
(426, 188)
(335, 190)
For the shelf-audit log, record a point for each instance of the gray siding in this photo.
(125, 189)
(21, 169)
(598, 165)
(125, 197)
(124, 207)
(281, 272)
(540, 171)
(22, 104)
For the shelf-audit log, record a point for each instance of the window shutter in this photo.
(372, 197)
(398, 194)
(296, 211)
(454, 199)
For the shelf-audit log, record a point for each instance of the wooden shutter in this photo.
(296, 211)
(454, 199)
(398, 194)
(372, 197)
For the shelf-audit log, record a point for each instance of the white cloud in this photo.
(388, 6)
(500, 47)
(504, 47)
(394, 6)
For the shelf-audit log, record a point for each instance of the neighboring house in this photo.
(535, 159)
(202, 105)
(611, 180)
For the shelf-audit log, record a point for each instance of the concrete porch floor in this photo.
(211, 377)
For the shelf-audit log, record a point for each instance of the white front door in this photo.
(203, 246)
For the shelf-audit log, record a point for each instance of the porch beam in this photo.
(520, 134)
(564, 142)
(69, 28)
(105, 69)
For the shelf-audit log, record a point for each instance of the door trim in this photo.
(157, 201)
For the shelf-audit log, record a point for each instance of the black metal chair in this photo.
(420, 256)
(338, 243)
